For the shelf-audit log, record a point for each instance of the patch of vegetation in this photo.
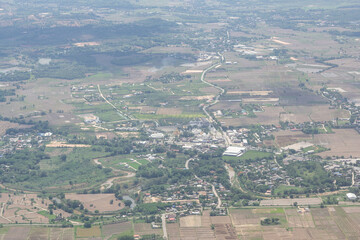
(270, 221)
(14, 76)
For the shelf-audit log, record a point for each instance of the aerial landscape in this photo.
(179, 120)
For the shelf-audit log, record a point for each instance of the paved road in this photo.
(163, 219)
(222, 91)
(123, 115)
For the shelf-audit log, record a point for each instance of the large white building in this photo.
(234, 151)
(351, 196)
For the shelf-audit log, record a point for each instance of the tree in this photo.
(63, 157)
(126, 237)
(127, 203)
(87, 224)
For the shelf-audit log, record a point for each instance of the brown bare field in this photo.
(168, 111)
(94, 231)
(20, 208)
(225, 231)
(319, 223)
(6, 125)
(56, 144)
(287, 137)
(344, 142)
(205, 218)
(220, 220)
(173, 230)
(200, 233)
(251, 93)
(111, 229)
(41, 95)
(55, 233)
(39, 233)
(16, 233)
(299, 114)
(301, 220)
(145, 229)
(68, 234)
(243, 217)
(290, 202)
(190, 221)
(99, 202)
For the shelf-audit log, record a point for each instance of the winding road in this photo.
(110, 182)
(216, 100)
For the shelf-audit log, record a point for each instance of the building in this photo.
(157, 136)
(234, 151)
(351, 196)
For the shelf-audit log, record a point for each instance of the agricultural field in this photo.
(24, 208)
(317, 223)
(343, 143)
(101, 202)
(38, 233)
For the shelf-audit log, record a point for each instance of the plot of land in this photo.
(146, 229)
(94, 231)
(190, 221)
(344, 142)
(65, 145)
(111, 229)
(285, 138)
(299, 114)
(23, 208)
(269, 116)
(290, 202)
(100, 202)
(168, 111)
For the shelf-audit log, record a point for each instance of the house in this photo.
(155, 226)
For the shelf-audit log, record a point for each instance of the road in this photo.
(163, 220)
(108, 184)
(277, 162)
(187, 163)
(216, 100)
(353, 179)
(123, 115)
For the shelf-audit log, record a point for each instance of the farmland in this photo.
(213, 119)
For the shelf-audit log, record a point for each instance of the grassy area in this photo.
(94, 231)
(47, 214)
(316, 149)
(249, 155)
(78, 168)
(280, 189)
(127, 233)
(4, 230)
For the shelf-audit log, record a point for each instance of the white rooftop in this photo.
(234, 151)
